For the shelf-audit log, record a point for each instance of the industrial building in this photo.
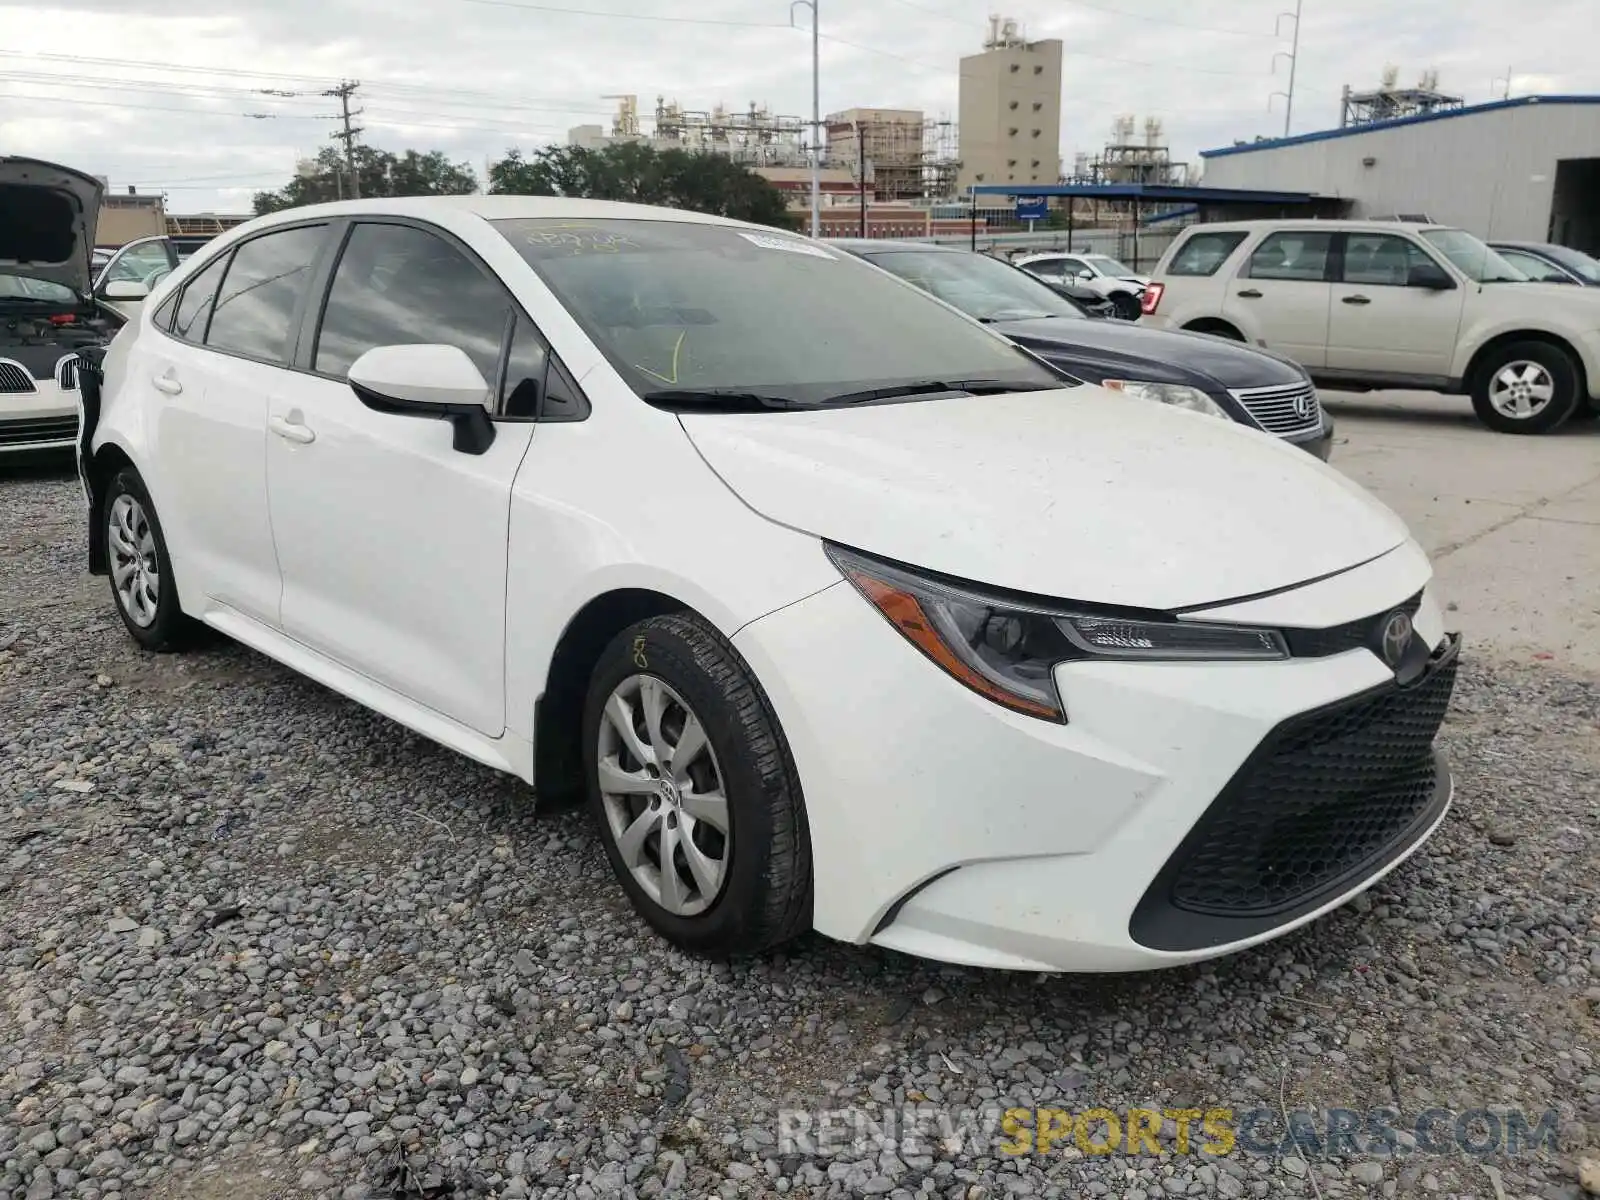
(1521, 169)
(1010, 111)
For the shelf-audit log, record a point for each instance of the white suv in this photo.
(1381, 304)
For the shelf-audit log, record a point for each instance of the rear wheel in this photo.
(695, 791)
(140, 568)
(1126, 305)
(1527, 387)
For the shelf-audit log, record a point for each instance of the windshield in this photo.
(23, 287)
(1473, 258)
(687, 308)
(1576, 261)
(1108, 266)
(978, 285)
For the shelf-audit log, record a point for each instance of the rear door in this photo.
(232, 337)
(1281, 294)
(1379, 325)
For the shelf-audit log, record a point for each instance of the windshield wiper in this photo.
(718, 400)
(930, 387)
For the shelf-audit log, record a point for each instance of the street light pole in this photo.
(816, 114)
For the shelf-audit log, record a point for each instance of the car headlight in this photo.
(1007, 649)
(1176, 394)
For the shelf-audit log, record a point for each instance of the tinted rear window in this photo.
(1204, 253)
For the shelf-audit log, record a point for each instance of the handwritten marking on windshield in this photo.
(677, 346)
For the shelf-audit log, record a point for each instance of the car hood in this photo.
(1123, 348)
(48, 214)
(1076, 494)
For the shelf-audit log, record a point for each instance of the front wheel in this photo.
(695, 791)
(1126, 306)
(1529, 387)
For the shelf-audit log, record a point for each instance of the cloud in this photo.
(473, 78)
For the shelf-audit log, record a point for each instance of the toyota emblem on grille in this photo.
(1396, 637)
(1305, 405)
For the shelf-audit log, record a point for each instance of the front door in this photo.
(1379, 325)
(392, 544)
(1280, 295)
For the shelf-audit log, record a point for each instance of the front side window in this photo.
(1203, 253)
(1292, 255)
(397, 285)
(1109, 266)
(1381, 259)
(261, 293)
(146, 263)
(687, 307)
(978, 285)
(1472, 257)
(525, 370)
(194, 309)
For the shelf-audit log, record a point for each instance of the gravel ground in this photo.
(259, 942)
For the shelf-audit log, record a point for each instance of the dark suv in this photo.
(1189, 370)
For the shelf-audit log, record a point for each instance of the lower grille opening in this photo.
(49, 429)
(1328, 799)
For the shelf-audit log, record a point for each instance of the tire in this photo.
(1126, 305)
(1517, 376)
(1219, 329)
(761, 896)
(131, 523)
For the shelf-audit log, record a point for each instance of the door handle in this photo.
(167, 383)
(1250, 294)
(290, 431)
(1355, 300)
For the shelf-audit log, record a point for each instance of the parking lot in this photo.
(260, 942)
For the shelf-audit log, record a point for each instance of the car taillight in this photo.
(1151, 298)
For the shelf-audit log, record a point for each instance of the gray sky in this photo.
(473, 77)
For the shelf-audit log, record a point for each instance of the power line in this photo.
(1112, 12)
(616, 16)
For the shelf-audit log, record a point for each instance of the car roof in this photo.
(860, 245)
(495, 208)
(1314, 223)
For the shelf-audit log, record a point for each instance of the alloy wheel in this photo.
(663, 793)
(1521, 389)
(135, 568)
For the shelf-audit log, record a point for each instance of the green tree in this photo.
(640, 174)
(379, 173)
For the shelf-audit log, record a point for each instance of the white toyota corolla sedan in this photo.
(845, 613)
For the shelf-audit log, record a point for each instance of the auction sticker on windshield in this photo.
(792, 245)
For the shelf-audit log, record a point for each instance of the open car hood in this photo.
(48, 215)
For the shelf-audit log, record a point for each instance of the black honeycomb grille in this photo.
(1327, 799)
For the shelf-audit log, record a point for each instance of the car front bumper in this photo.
(46, 419)
(1185, 811)
(1319, 443)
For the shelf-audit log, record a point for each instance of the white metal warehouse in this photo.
(1526, 169)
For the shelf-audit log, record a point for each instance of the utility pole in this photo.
(1293, 56)
(348, 134)
(861, 161)
(816, 114)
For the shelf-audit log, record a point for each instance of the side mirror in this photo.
(434, 381)
(1430, 276)
(126, 289)
(1085, 274)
